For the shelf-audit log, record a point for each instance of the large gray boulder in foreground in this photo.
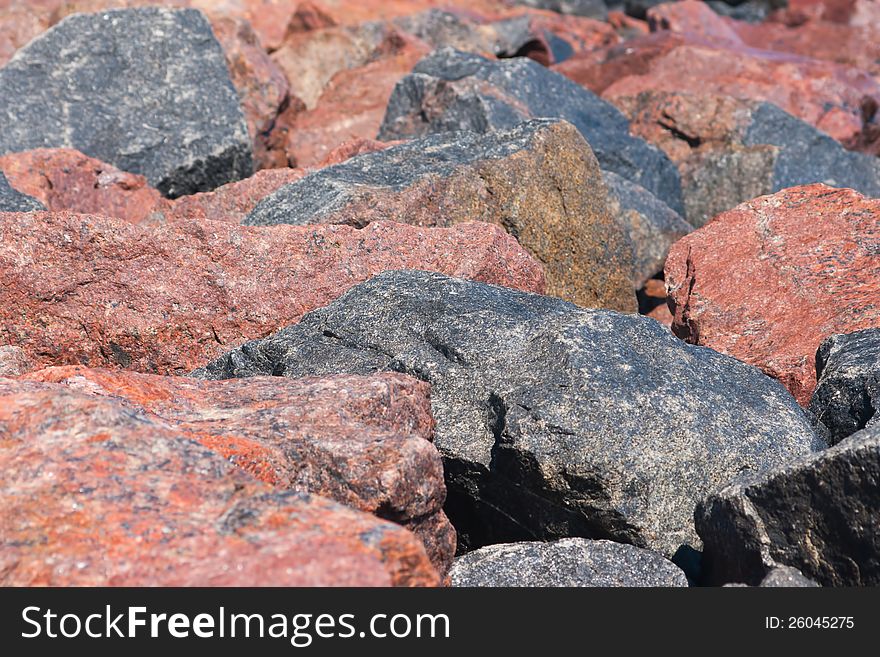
(11, 200)
(848, 394)
(553, 420)
(146, 90)
(819, 514)
(453, 90)
(567, 562)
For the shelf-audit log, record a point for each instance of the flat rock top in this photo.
(146, 90)
(567, 562)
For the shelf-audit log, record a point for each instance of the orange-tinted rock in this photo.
(97, 493)
(362, 441)
(652, 301)
(627, 26)
(691, 16)
(767, 281)
(18, 25)
(350, 149)
(82, 289)
(65, 179)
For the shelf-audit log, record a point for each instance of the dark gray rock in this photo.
(146, 90)
(753, 11)
(451, 90)
(589, 8)
(553, 420)
(567, 562)
(12, 200)
(847, 396)
(787, 577)
(819, 514)
(652, 225)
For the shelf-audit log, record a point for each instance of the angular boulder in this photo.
(82, 289)
(12, 200)
(96, 493)
(819, 514)
(567, 562)
(539, 180)
(452, 90)
(769, 280)
(547, 413)
(847, 396)
(146, 90)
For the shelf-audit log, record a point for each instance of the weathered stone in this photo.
(567, 562)
(96, 493)
(691, 16)
(729, 151)
(652, 225)
(11, 200)
(362, 441)
(82, 289)
(19, 23)
(540, 181)
(451, 90)
(847, 396)
(551, 38)
(769, 280)
(652, 302)
(834, 98)
(547, 413)
(130, 87)
(14, 361)
(819, 514)
(350, 149)
(786, 577)
(590, 8)
(65, 179)
(752, 11)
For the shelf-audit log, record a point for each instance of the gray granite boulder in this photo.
(12, 200)
(553, 421)
(819, 514)
(847, 396)
(452, 90)
(567, 562)
(787, 577)
(146, 90)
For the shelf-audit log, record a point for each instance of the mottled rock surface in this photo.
(451, 90)
(567, 562)
(652, 225)
(146, 90)
(540, 181)
(819, 514)
(12, 200)
(591, 8)
(547, 413)
(769, 280)
(787, 577)
(362, 441)
(96, 493)
(65, 179)
(14, 361)
(847, 396)
(83, 289)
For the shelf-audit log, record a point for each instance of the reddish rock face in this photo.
(362, 441)
(82, 289)
(691, 16)
(350, 149)
(96, 493)
(834, 98)
(65, 179)
(19, 23)
(14, 361)
(767, 281)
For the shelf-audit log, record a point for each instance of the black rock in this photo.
(12, 200)
(567, 562)
(819, 514)
(752, 11)
(146, 90)
(452, 90)
(589, 8)
(652, 225)
(553, 420)
(847, 396)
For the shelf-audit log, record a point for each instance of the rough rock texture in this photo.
(769, 280)
(729, 151)
(14, 361)
(591, 8)
(848, 394)
(82, 289)
(96, 493)
(567, 562)
(65, 179)
(362, 441)
(19, 23)
(547, 413)
(691, 16)
(786, 577)
(540, 181)
(146, 90)
(652, 301)
(451, 90)
(819, 514)
(653, 226)
(12, 200)
(349, 149)
(831, 97)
